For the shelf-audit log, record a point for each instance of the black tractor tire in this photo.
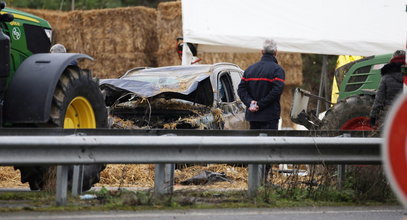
(74, 82)
(351, 113)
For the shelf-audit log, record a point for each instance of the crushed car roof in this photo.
(151, 82)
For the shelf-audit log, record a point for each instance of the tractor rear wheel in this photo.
(351, 113)
(77, 103)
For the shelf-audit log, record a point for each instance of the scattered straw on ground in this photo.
(10, 178)
(142, 176)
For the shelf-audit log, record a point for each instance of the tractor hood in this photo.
(191, 83)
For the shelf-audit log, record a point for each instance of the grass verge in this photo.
(267, 197)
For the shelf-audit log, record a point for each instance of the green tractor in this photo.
(40, 89)
(357, 82)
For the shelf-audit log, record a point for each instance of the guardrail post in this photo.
(340, 178)
(77, 180)
(62, 185)
(256, 174)
(164, 179)
(263, 168)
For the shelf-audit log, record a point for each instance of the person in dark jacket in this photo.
(261, 87)
(391, 85)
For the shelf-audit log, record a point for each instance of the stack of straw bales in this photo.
(118, 39)
(123, 38)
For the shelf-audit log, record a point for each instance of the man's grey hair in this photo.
(269, 46)
(399, 53)
(58, 48)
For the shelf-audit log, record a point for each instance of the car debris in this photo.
(176, 97)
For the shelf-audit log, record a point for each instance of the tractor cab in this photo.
(28, 35)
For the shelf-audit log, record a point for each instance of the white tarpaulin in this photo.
(336, 27)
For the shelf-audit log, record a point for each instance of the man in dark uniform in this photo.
(261, 87)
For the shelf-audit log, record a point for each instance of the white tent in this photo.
(340, 27)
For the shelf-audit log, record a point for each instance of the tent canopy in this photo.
(346, 27)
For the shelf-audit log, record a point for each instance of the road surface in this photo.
(311, 213)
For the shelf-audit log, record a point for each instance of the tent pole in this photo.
(322, 82)
(325, 73)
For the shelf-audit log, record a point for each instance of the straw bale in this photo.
(120, 38)
(169, 28)
(286, 102)
(124, 175)
(170, 10)
(243, 60)
(168, 58)
(108, 65)
(292, 64)
(9, 177)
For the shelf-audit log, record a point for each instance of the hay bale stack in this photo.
(291, 62)
(286, 102)
(119, 39)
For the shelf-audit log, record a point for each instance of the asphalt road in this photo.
(311, 213)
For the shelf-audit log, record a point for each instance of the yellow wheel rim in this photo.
(79, 114)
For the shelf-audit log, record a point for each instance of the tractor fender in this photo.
(29, 95)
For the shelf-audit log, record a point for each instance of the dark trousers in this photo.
(273, 125)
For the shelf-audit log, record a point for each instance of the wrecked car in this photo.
(200, 96)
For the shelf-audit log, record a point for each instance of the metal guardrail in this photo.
(169, 149)
(63, 150)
